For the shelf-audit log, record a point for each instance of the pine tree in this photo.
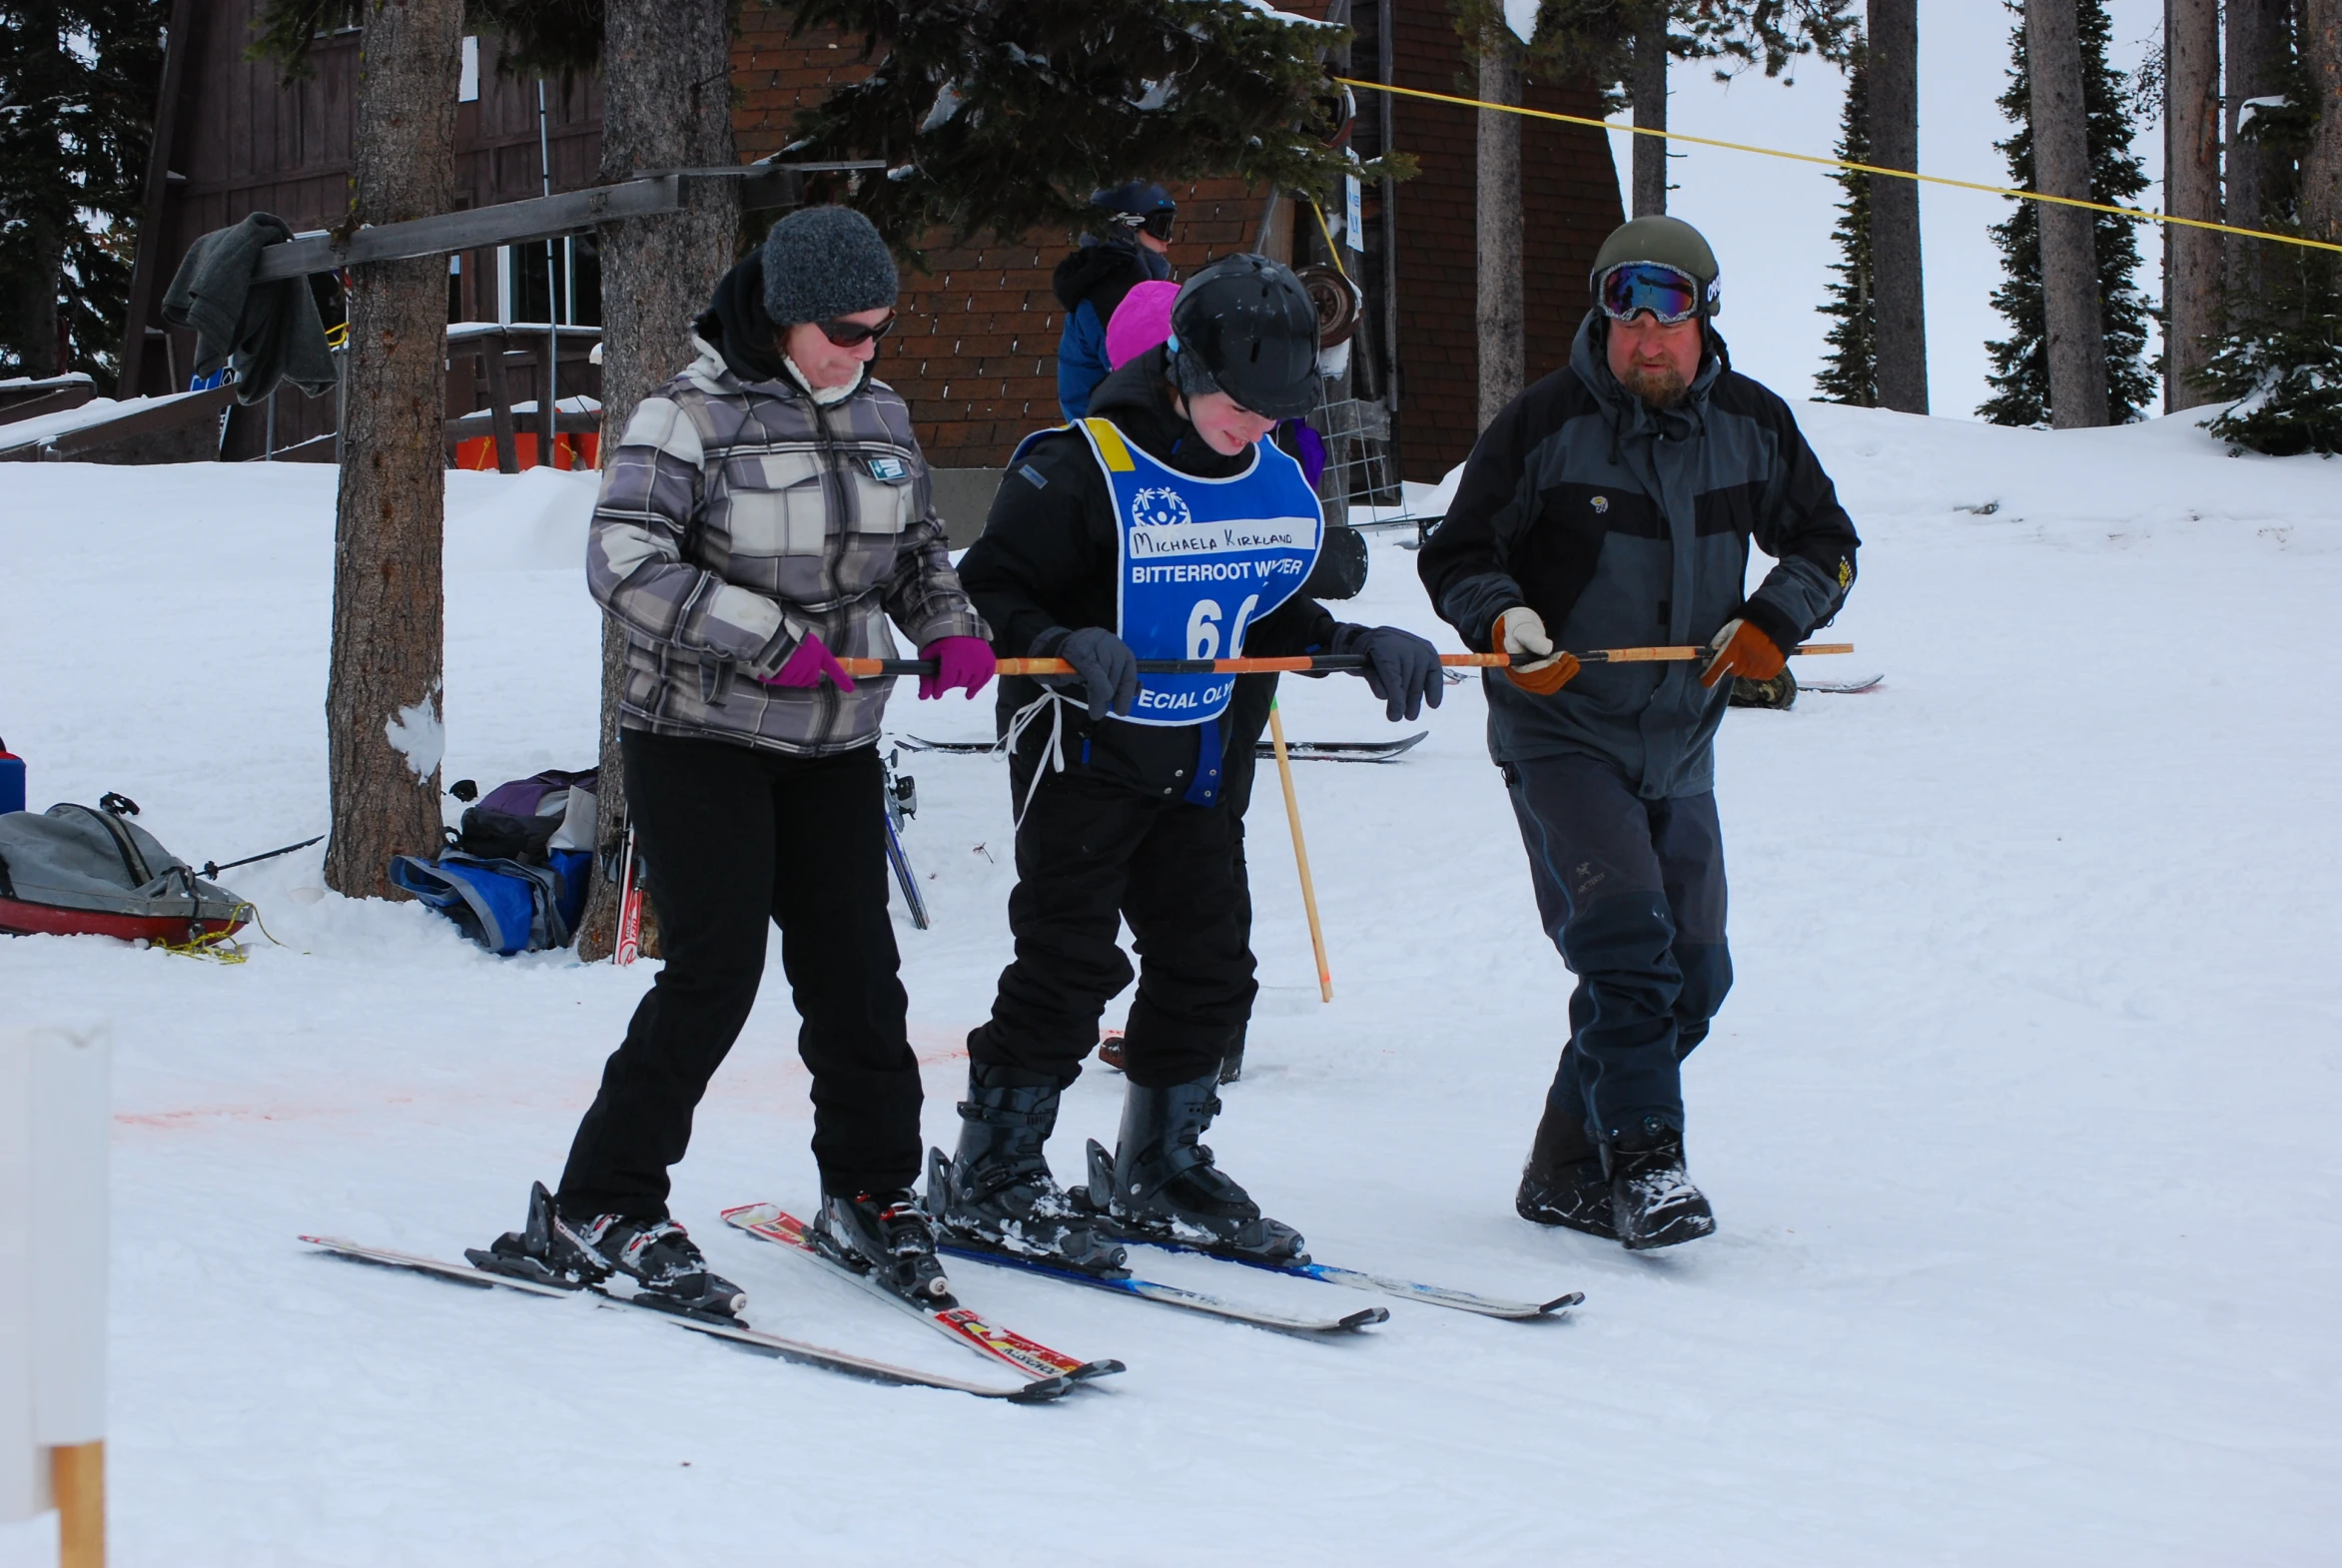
(2019, 378)
(1851, 373)
(77, 104)
(2278, 354)
(2281, 357)
(1006, 117)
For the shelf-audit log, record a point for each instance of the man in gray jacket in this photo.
(1612, 504)
(765, 511)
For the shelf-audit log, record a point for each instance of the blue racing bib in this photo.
(1199, 562)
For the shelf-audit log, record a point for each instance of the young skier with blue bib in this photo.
(1165, 525)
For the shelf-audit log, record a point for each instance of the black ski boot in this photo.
(1563, 1183)
(1162, 1185)
(998, 1193)
(1652, 1203)
(663, 1262)
(888, 1236)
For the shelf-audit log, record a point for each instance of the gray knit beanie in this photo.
(821, 263)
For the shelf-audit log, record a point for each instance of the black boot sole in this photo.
(1560, 1220)
(1676, 1231)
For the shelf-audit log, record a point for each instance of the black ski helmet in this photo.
(1245, 325)
(1138, 203)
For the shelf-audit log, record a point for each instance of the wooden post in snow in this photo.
(54, 1120)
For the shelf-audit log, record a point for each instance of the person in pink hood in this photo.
(1140, 321)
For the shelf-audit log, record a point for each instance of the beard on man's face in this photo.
(1658, 386)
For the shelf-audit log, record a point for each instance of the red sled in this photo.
(81, 871)
(18, 919)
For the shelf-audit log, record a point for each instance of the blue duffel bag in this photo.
(514, 877)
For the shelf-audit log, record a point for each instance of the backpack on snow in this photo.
(89, 871)
(514, 874)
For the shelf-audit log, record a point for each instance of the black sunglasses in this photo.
(853, 334)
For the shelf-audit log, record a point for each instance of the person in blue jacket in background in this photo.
(1094, 275)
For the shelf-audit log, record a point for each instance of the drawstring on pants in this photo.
(1055, 700)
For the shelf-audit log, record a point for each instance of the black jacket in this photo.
(1048, 558)
(1623, 526)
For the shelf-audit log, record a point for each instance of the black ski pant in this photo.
(732, 838)
(1632, 893)
(1091, 855)
(1247, 718)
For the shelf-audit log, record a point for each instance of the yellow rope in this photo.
(1332, 249)
(2135, 214)
(219, 946)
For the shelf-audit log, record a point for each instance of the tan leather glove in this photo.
(1520, 630)
(1741, 649)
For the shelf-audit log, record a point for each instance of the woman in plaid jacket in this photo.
(766, 512)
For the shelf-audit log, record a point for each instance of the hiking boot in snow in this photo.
(661, 1260)
(888, 1236)
(1652, 1203)
(1161, 1185)
(1563, 1183)
(997, 1191)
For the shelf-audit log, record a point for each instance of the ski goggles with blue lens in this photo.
(1670, 294)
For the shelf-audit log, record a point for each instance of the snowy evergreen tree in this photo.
(2020, 376)
(2278, 358)
(77, 105)
(1851, 373)
(1006, 117)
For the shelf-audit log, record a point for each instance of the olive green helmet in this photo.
(1668, 241)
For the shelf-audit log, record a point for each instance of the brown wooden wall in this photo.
(1570, 202)
(238, 138)
(976, 354)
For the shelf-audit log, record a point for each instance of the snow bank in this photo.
(2019, 1124)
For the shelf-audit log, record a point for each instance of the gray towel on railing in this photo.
(271, 329)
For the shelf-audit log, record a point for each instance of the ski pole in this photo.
(1292, 815)
(212, 868)
(1304, 663)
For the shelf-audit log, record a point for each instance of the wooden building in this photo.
(976, 354)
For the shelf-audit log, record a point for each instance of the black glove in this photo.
(1102, 663)
(1401, 668)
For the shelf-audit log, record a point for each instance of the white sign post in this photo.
(54, 1120)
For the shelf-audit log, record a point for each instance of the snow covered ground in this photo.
(2021, 1124)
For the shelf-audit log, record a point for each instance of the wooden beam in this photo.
(506, 223)
(535, 218)
(160, 414)
(47, 402)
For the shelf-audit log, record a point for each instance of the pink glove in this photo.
(807, 667)
(960, 664)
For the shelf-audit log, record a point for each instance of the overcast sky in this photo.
(1770, 220)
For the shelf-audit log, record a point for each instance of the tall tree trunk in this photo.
(42, 80)
(2191, 189)
(39, 335)
(666, 104)
(2071, 320)
(2321, 166)
(383, 695)
(1894, 127)
(1497, 313)
(2260, 34)
(1649, 91)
